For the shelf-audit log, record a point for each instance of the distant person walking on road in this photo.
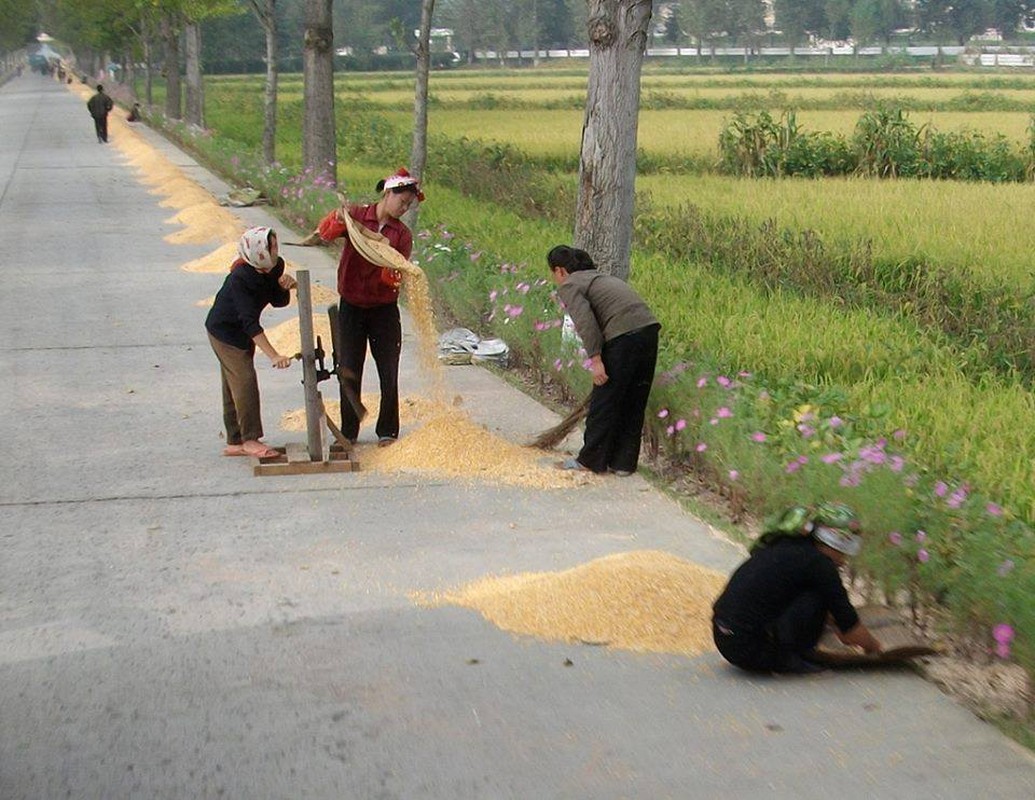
(369, 308)
(620, 335)
(773, 611)
(256, 280)
(99, 106)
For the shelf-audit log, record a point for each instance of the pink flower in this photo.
(940, 489)
(701, 447)
(922, 556)
(663, 413)
(792, 466)
(1005, 568)
(896, 464)
(895, 538)
(831, 458)
(724, 413)
(758, 436)
(994, 510)
(493, 295)
(806, 430)
(713, 421)
(899, 435)
(733, 474)
(835, 422)
(1003, 635)
(514, 311)
(921, 536)
(724, 382)
(680, 424)
(702, 382)
(671, 430)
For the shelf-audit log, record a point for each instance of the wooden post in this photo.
(313, 404)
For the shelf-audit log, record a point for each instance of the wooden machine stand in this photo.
(317, 455)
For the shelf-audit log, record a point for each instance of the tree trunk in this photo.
(419, 148)
(318, 135)
(607, 162)
(266, 11)
(171, 36)
(535, 33)
(149, 78)
(195, 88)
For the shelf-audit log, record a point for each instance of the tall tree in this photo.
(607, 161)
(419, 147)
(959, 19)
(170, 24)
(1007, 15)
(319, 151)
(266, 11)
(195, 95)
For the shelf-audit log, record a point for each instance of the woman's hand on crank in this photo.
(281, 362)
(287, 282)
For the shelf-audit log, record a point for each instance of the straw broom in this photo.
(550, 438)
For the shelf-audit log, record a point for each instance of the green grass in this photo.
(983, 227)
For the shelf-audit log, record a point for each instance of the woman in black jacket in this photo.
(256, 280)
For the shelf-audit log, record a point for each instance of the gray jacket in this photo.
(602, 307)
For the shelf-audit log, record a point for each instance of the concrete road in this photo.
(172, 627)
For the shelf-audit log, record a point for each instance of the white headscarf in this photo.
(254, 247)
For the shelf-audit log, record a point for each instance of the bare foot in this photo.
(234, 450)
(258, 449)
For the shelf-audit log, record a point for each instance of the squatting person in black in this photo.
(773, 611)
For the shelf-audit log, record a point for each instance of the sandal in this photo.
(234, 450)
(571, 464)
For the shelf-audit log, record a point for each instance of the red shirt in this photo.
(361, 283)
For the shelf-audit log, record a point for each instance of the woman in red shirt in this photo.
(368, 312)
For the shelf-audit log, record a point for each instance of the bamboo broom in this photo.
(550, 438)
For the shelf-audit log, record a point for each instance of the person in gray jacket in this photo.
(620, 335)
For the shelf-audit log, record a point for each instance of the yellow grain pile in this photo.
(287, 339)
(219, 260)
(645, 601)
(410, 409)
(451, 445)
(205, 222)
(181, 192)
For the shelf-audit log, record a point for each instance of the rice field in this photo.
(982, 227)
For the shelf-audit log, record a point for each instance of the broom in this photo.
(550, 438)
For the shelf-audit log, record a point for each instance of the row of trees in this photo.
(863, 21)
(616, 32)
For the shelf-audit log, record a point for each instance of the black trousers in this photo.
(101, 125)
(380, 327)
(793, 635)
(614, 424)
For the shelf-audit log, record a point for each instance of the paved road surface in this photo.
(172, 627)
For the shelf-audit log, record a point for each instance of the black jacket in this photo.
(763, 586)
(234, 317)
(99, 105)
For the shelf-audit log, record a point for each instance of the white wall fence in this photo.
(992, 56)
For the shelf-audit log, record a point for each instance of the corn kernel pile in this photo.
(645, 601)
